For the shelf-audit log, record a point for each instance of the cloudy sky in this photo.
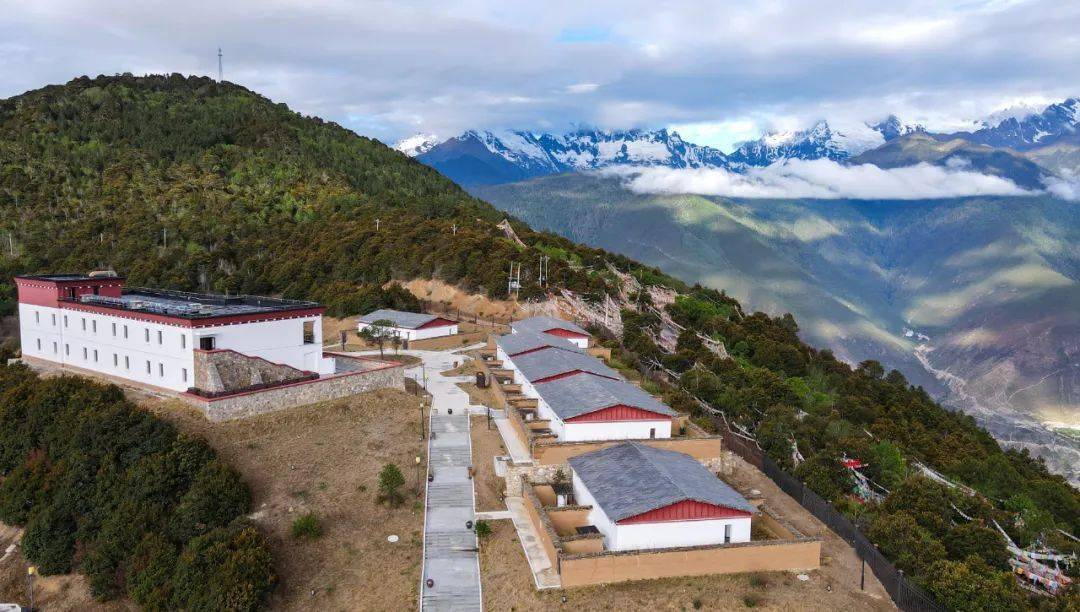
(717, 73)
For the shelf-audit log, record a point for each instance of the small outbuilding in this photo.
(552, 326)
(585, 407)
(649, 498)
(410, 325)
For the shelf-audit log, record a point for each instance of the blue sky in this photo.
(718, 72)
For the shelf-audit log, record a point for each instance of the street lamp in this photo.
(418, 474)
(30, 573)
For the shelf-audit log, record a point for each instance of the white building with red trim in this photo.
(554, 327)
(581, 398)
(151, 337)
(409, 325)
(644, 498)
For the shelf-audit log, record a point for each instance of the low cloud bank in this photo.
(821, 179)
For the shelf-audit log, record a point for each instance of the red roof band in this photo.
(686, 510)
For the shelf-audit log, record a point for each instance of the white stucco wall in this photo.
(642, 536)
(157, 354)
(417, 334)
(616, 430)
(149, 353)
(277, 341)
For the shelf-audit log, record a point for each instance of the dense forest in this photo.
(107, 488)
(189, 183)
(192, 184)
(800, 402)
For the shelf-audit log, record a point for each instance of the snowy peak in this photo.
(1029, 129)
(483, 157)
(821, 141)
(417, 144)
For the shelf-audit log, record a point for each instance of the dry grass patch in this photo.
(325, 460)
(486, 444)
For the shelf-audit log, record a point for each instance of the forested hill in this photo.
(188, 183)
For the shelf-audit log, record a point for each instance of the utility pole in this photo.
(220, 74)
(453, 228)
(376, 224)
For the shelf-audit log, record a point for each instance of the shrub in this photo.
(49, 541)
(390, 481)
(150, 570)
(306, 526)
(215, 498)
(229, 568)
(483, 529)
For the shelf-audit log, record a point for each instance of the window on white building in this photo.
(183, 341)
(161, 369)
(125, 332)
(55, 348)
(183, 374)
(95, 355)
(84, 323)
(114, 330)
(37, 316)
(67, 349)
(65, 321)
(727, 533)
(146, 334)
(54, 319)
(309, 332)
(39, 344)
(159, 337)
(147, 367)
(84, 354)
(127, 362)
(93, 324)
(115, 360)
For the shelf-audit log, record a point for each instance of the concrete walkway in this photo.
(518, 452)
(451, 557)
(544, 574)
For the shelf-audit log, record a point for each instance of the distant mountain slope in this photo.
(991, 284)
(821, 141)
(920, 147)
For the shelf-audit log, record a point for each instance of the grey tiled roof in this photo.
(552, 362)
(543, 323)
(404, 320)
(581, 394)
(631, 478)
(520, 342)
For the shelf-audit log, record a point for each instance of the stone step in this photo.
(450, 494)
(454, 456)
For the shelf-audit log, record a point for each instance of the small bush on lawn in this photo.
(483, 529)
(307, 526)
(390, 481)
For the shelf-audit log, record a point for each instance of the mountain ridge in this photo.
(1030, 149)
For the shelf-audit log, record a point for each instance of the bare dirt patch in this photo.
(325, 459)
(486, 444)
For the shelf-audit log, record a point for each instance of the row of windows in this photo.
(91, 355)
(116, 329)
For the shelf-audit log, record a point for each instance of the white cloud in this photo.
(820, 179)
(581, 88)
(1067, 188)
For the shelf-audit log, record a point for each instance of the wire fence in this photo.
(905, 594)
(455, 314)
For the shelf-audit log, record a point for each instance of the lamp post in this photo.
(30, 573)
(418, 474)
(420, 404)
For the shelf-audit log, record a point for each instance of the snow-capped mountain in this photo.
(485, 157)
(822, 141)
(1028, 130)
(417, 144)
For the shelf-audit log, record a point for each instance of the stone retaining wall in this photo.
(245, 404)
(225, 370)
